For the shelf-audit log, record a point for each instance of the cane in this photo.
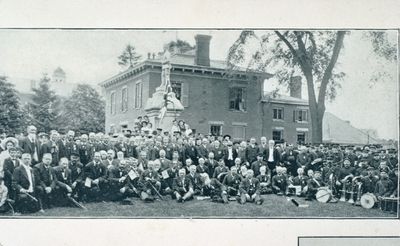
(154, 188)
(75, 202)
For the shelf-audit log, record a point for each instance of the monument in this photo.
(163, 107)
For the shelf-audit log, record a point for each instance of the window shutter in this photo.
(185, 94)
(294, 115)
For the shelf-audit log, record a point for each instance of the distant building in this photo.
(215, 102)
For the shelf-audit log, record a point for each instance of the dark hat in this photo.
(229, 136)
(370, 168)
(329, 158)
(260, 154)
(159, 129)
(43, 134)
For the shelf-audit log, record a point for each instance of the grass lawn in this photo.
(273, 206)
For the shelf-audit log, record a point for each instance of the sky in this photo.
(90, 56)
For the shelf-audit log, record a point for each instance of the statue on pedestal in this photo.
(163, 104)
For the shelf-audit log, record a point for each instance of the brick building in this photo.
(215, 102)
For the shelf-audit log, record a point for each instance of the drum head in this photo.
(323, 196)
(368, 201)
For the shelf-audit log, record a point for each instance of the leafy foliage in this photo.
(44, 110)
(11, 118)
(129, 57)
(179, 46)
(84, 110)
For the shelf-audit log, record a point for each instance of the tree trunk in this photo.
(317, 117)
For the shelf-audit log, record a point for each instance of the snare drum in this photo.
(368, 200)
(323, 195)
(389, 204)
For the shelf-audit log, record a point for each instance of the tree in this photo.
(129, 57)
(179, 46)
(10, 108)
(44, 110)
(84, 110)
(312, 53)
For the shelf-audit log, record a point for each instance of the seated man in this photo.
(313, 184)
(47, 181)
(182, 187)
(95, 179)
(9, 165)
(265, 180)
(279, 182)
(249, 189)
(214, 189)
(202, 168)
(76, 168)
(299, 182)
(384, 187)
(221, 170)
(232, 182)
(24, 183)
(150, 183)
(63, 188)
(195, 180)
(117, 178)
(132, 184)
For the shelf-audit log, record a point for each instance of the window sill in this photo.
(237, 111)
(278, 120)
(302, 122)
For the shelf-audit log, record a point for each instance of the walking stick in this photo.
(155, 190)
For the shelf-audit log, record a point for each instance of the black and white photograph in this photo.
(199, 123)
(349, 241)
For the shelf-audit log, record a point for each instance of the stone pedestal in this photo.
(156, 104)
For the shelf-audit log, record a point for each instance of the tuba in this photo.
(354, 186)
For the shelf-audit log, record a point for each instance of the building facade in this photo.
(215, 101)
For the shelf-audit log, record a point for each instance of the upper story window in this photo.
(138, 94)
(300, 115)
(124, 99)
(278, 113)
(112, 103)
(237, 98)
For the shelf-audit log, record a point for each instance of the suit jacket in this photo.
(202, 169)
(77, 172)
(191, 153)
(232, 180)
(195, 180)
(98, 171)
(46, 176)
(8, 168)
(28, 147)
(165, 163)
(85, 153)
(182, 184)
(276, 155)
(226, 154)
(251, 153)
(20, 179)
(211, 167)
(202, 151)
(63, 180)
(250, 186)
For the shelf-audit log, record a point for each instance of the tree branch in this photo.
(329, 68)
(289, 45)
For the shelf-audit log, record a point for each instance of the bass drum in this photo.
(323, 195)
(368, 200)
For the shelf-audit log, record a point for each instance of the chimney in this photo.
(295, 86)
(202, 50)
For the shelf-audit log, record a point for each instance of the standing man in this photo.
(230, 154)
(30, 144)
(272, 157)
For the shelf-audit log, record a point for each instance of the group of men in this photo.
(61, 169)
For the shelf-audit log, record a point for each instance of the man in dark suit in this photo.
(232, 181)
(30, 144)
(191, 151)
(70, 145)
(252, 151)
(85, 150)
(249, 189)
(203, 149)
(95, 178)
(182, 187)
(9, 166)
(47, 180)
(77, 173)
(230, 155)
(24, 183)
(63, 178)
(272, 157)
(211, 164)
(165, 163)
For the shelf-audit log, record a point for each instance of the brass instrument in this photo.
(344, 188)
(359, 189)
